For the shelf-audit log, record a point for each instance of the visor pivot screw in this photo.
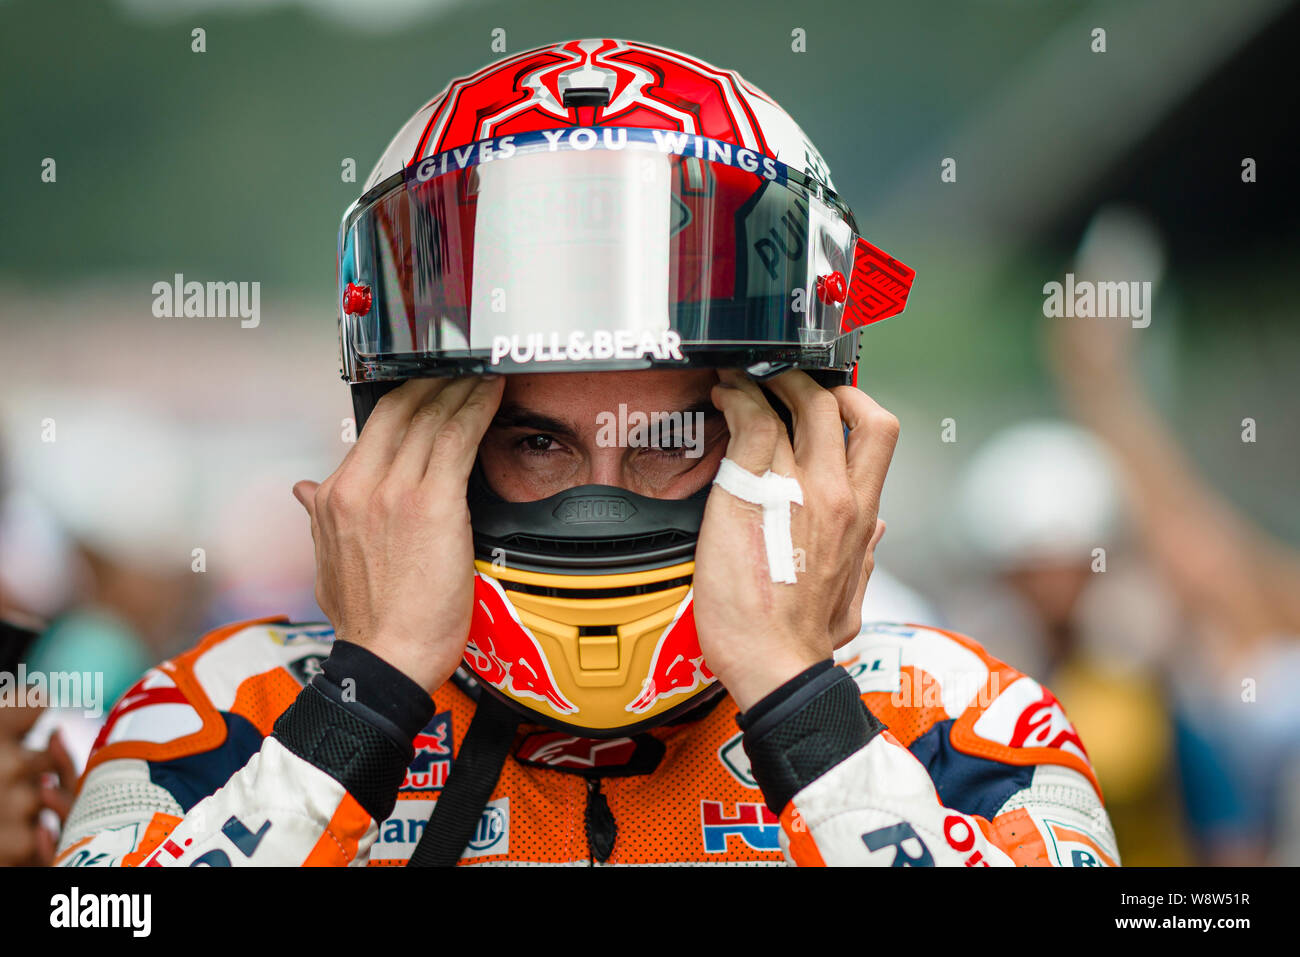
(832, 288)
(356, 299)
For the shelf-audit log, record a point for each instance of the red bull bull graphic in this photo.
(429, 768)
(505, 654)
(678, 664)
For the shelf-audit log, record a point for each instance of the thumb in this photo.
(305, 492)
(876, 536)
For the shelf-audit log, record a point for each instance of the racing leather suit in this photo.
(271, 743)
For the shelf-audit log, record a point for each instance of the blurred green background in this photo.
(226, 165)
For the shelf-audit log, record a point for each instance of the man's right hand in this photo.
(394, 553)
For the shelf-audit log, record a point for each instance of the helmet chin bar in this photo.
(596, 579)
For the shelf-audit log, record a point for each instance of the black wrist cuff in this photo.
(362, 758)
(355, 722)
(783, 694)
(376, 690)
(803, 729)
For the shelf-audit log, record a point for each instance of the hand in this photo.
(394, 554)
(757, 634)
(59, 789)
(1093, 360)
(22, 839)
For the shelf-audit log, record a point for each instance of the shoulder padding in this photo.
(921, 676)
(176, 708)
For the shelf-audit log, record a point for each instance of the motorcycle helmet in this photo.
(599, 205)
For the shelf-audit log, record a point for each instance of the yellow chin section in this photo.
(612, 653)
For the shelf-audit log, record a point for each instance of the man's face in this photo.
(555, 431)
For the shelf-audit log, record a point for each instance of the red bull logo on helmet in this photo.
(677, 666)
(505, 654)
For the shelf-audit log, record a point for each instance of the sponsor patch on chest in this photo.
(401, 832)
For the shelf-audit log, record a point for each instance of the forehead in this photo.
(663, 389)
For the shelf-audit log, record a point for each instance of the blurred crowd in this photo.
(1095, 557)
(126, 533)
(1090, 554)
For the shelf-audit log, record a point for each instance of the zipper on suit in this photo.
(602, 830)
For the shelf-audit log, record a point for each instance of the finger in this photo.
(305, 492)
(864, 578)
(818, 428)
(353, 483)
(873, 433)
(412, 458)
(853, 619)
(33, 764)
(456, 445)
(876, 536)
(387, 424)
(64, 765)
(58, 800)
(758, 439)
(869, 563)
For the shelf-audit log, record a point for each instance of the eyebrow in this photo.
(514, 416)
(518, 417)
(704, 405)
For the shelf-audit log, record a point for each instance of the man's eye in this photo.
(537, 443)
(667, 450)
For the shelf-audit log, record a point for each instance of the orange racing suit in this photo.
(915, 747)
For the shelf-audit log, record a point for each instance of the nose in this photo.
(606, 467)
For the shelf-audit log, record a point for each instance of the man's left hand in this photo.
(756, 634)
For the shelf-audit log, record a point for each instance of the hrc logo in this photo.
(752, 823)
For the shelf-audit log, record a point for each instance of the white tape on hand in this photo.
(774, 493)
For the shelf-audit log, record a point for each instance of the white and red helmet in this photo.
(597, 83)
(599, 205)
